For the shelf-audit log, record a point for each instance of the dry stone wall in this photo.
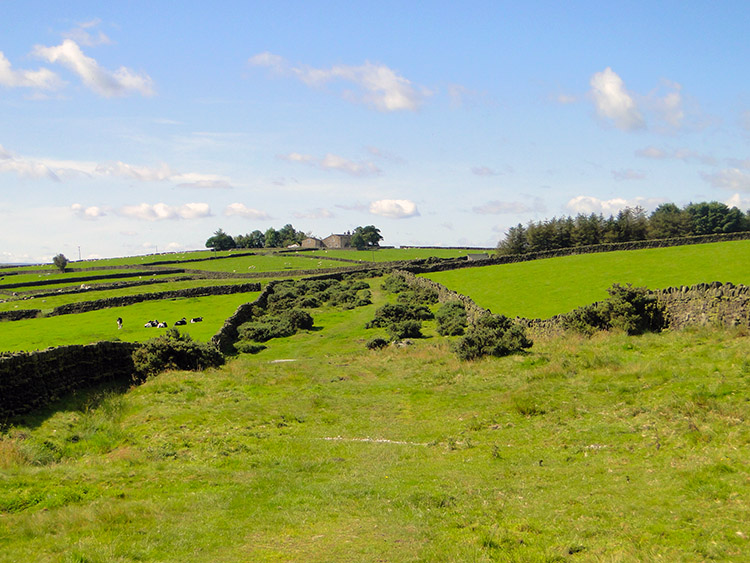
(29, 380)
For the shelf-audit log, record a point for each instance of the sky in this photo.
(130, 128)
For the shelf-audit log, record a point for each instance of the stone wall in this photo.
(123, 300)
(20, 314)
(226, 337)
(444, 295)
(29, 380)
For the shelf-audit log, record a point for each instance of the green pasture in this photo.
(84, 328)
(48, 303)
(264, 263)
(394, 254)
(543, 288)
(613, 448)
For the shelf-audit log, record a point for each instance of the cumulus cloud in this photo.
(334, 162)
(42, 79)
(376, 85)
(484, 171)
(732, 179)
(669, 107)
(613, 102)
(162, 211)
(497, 207)
(587, 204)
(686, 155)
(738, 201)
(120, 82)
(394, 208)
(241, 210)
(628, 174)
(89, 213)
(84, 34)
(318, 213)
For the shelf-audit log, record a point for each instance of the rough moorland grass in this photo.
(610, 449)
(543, 288)
(94, 326)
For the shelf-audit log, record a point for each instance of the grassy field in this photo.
(393, 254)
(84, 328)
(543, 288)
(613, 448)
(264, 263)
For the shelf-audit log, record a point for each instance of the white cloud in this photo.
(82, 36)
(106, 83)
(669, 107)
(141, 173)
(335, 162)
(686, 155)
(162, 211)
(377, 85)
(43, 79)
(613, 102)
(587, 204)
(241, 210)
(484, 171)
(89, 213)
(394, 208)
(318, 213)
(628, 174)
(497, 207)
(737, 201)
(732, 179)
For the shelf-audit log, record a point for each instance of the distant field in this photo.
(264, 263)
(49, 303)
(84, 328)
(543, 288)
(393, 254)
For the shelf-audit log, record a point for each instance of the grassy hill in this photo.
(613, 448)
(543, 288)
(610, 448)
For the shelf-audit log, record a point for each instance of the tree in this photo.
(271, 238)
(220, 241)
(257, 239)
(60, 262)
(366, 237)
(668, 221)
(515, 242)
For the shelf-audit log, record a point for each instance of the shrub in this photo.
(632, 309)
(173, 350)
(399, 312)
(376, 343)
(494, 335)
(405, 329)
(246, 347)
(451, 319)
(299, 319)
(418, 295)
(395, 283)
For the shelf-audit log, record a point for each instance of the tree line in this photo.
(630, 224)
(362, 238)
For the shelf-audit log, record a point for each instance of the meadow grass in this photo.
(84, 328)
(543, 288)
(50, 302)
(612, 448)
(264, 263)
(392, 254)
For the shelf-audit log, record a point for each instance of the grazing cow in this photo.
(151, 324)
(196, 320)
(162, 325)
(181, 322)
(119, 323)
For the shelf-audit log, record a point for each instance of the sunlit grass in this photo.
(543, 288)
(84, 328)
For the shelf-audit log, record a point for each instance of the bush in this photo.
(174, 351)
(399, 312)
(451, 319)
(299, 319)
(493, 335)
(632, 309)
(418, 295)
(246, 347)
(376, 343)
(405, 329)
(395, 283)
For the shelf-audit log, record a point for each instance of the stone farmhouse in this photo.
(331, 241)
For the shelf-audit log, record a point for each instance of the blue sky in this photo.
(132, 127)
